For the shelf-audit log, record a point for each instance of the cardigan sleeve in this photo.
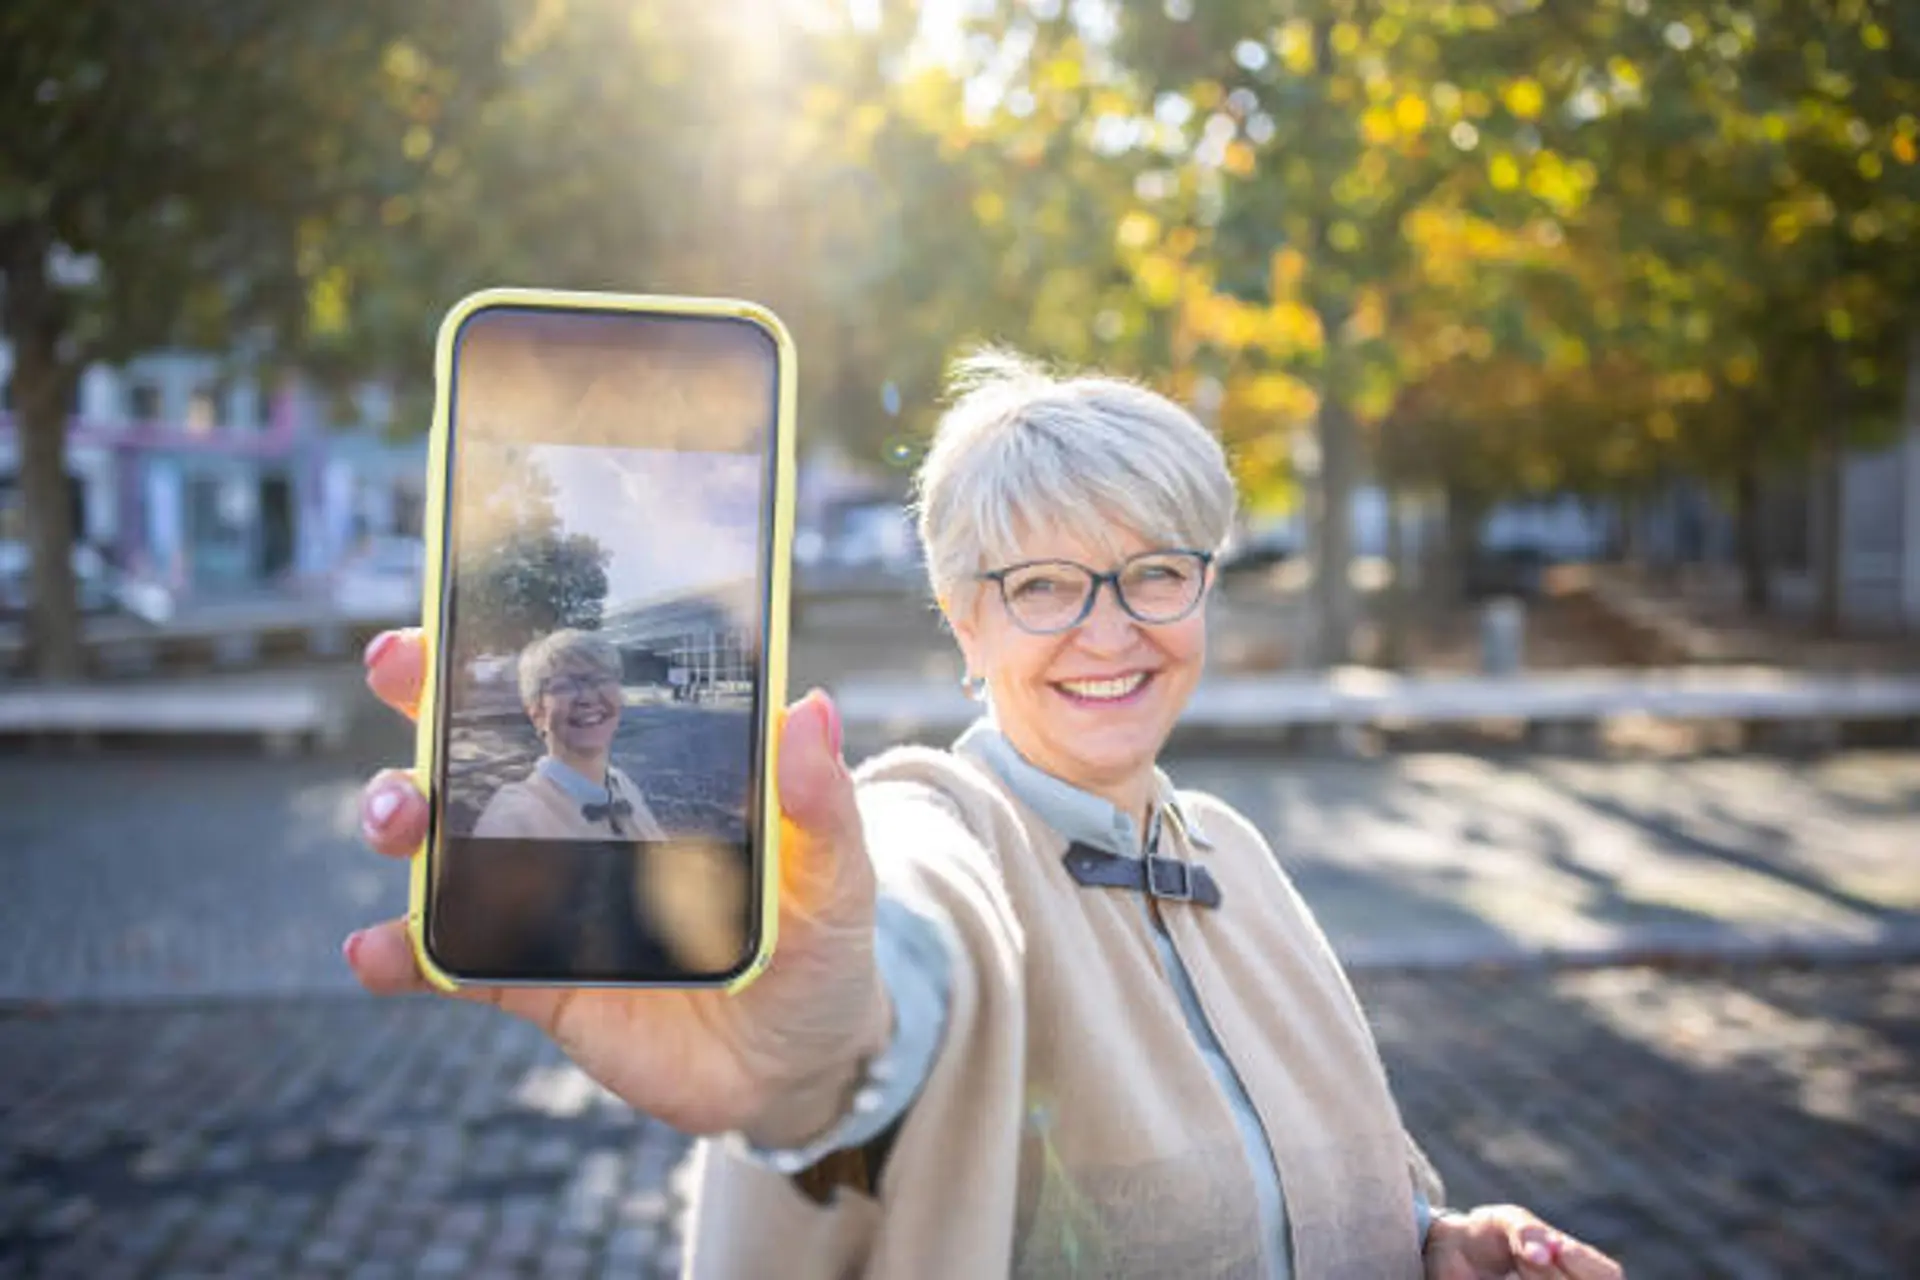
(918, 973)
(748, 1220)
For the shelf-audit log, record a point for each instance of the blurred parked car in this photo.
(1259, 552)
(382, 580)
(878, 536)
(1517, 570)
(860, 547)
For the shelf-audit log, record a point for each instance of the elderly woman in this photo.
(1035, 1011)
(570, 686)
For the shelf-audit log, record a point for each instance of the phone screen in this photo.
(609, 544)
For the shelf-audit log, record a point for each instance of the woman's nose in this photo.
(1107, 626)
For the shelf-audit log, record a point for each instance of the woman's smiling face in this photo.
(1093, 704)
(578, 712)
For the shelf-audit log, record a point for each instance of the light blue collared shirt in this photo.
(916, 968)
(576, 784)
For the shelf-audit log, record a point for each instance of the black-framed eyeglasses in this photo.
(577, 685)
(1050, 596)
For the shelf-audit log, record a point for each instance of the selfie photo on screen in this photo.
(606, 674)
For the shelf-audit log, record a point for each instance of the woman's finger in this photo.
(396, 663)
(1535, 1246)
(1581, 1261)
(393, 814)
(381, 956)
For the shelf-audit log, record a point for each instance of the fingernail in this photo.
(378, 646)
(1537, 1252)
(351, 946)
(833, 725)
(380, 806)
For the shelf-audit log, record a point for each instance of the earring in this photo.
(975, 687)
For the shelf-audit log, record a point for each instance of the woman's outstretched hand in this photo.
(773, 1061)
(1497, 1241)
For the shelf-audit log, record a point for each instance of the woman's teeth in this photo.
(588, 719)
(1105, 690)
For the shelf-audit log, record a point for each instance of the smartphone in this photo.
(609, 518)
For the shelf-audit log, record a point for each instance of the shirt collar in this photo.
(576, 784)
(1080, 816)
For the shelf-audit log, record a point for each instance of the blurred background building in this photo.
(210, 486)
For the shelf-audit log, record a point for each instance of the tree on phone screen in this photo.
(519, 573)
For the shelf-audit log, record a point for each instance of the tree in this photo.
(1760, 193)
(187, 173)
(519, 575)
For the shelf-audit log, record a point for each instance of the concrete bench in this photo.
(232, 640)
(283, 710)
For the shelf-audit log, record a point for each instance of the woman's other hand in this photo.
(1494, 1242)
(773, 1061)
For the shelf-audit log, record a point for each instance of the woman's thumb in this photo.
(816, 792)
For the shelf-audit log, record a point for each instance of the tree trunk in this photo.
(1463, 516)
(1334, 428)
(1399, 595)
(43, 385)
(1750, 516)
(1663, 562)
(1333, 596)
(1830, 567)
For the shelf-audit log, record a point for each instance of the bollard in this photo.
(1502, 637)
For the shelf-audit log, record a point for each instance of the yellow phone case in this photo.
(774, 658)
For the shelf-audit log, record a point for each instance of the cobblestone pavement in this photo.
(1745, 1124)
(689, 763)
(199, 872)
(1447, 857)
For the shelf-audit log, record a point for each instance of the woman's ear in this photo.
(963, 631)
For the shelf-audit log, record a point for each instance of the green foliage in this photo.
(1516, 245)
(208, 165)
(520, 574)
(201, 173)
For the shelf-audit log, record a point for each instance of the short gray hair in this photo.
(1022, 450)
(541, 659)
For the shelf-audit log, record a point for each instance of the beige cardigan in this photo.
(536, 808)
(1070, 1126)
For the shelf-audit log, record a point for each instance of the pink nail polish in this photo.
(351, 946)
(834, 731)
(381, 806)
(377, 647)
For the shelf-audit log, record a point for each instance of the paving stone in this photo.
(326, 1251)
(443, 1260)
(376, 1269)
(564, 1258)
